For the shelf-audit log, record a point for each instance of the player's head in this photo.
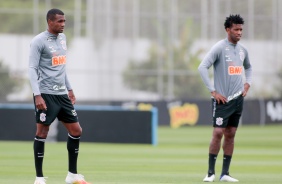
(51, 14)
(234, 27)
(56, 21)
(233, 19)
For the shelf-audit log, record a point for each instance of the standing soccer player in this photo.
(229, 60)
(53, 95)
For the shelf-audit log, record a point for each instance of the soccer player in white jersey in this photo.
(53, 94)
(230, 61)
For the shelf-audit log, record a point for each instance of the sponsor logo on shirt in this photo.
(57, 87)
(231, 97)
(59, 60)
(227, 58)
(52, 49)
(49, 39)
(235, 70)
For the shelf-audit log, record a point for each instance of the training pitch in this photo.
(181, 156)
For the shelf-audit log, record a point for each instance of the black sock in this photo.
(212, 160)
(38, 148)
(73, 148)
(226, 164)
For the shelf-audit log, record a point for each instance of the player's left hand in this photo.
(72, 97)
(246, 89)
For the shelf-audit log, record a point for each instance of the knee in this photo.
(76, 132)
(229, 138)
(217, 135)
(79, 131)
(229, 133)
(42, 132)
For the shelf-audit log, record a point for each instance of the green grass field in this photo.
(180, 157)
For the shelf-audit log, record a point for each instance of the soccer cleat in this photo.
(227, 178)
(75, 179)
(40, 180)
(209, 178)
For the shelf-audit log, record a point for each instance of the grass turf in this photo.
(180, 157)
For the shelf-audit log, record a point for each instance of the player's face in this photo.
(57, 25)
(235, 33)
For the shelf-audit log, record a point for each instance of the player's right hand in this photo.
(40, 103)
(218, 97)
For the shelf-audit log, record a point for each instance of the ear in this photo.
(49, 21)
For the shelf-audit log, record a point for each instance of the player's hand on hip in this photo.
(40, 103)
(246, 89)
(72, 97)
(218, 97)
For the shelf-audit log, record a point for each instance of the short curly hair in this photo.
(51, 14)
(233, 19)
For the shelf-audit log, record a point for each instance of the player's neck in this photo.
(52, 32)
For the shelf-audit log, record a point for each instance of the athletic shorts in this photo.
(227, 114)
(58, 106)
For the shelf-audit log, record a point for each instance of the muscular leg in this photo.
(228, 147)
(214, 148)
(216, 140)
(228, 143)
(74, 131)
(38, 147)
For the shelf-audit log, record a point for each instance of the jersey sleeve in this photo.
(34, 58)
(248, 69)
(206, 63)
(68, 85)
(67, 82)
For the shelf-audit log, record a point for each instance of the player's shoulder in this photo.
(218, 46)
(39, 39)
(40, 36)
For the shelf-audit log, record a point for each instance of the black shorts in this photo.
(227, 114)
(58, 106)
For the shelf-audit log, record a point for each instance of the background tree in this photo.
(8, 83)
(145, 75)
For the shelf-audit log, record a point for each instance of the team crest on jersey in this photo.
(42, 117)
(64, 44)
(219, 121)
(242, 55)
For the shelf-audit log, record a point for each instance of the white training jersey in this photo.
(229, 62)
(47, 64)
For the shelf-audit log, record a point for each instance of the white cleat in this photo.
(209, 179)
(75, 179)
(227, 178)
(40, 180)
